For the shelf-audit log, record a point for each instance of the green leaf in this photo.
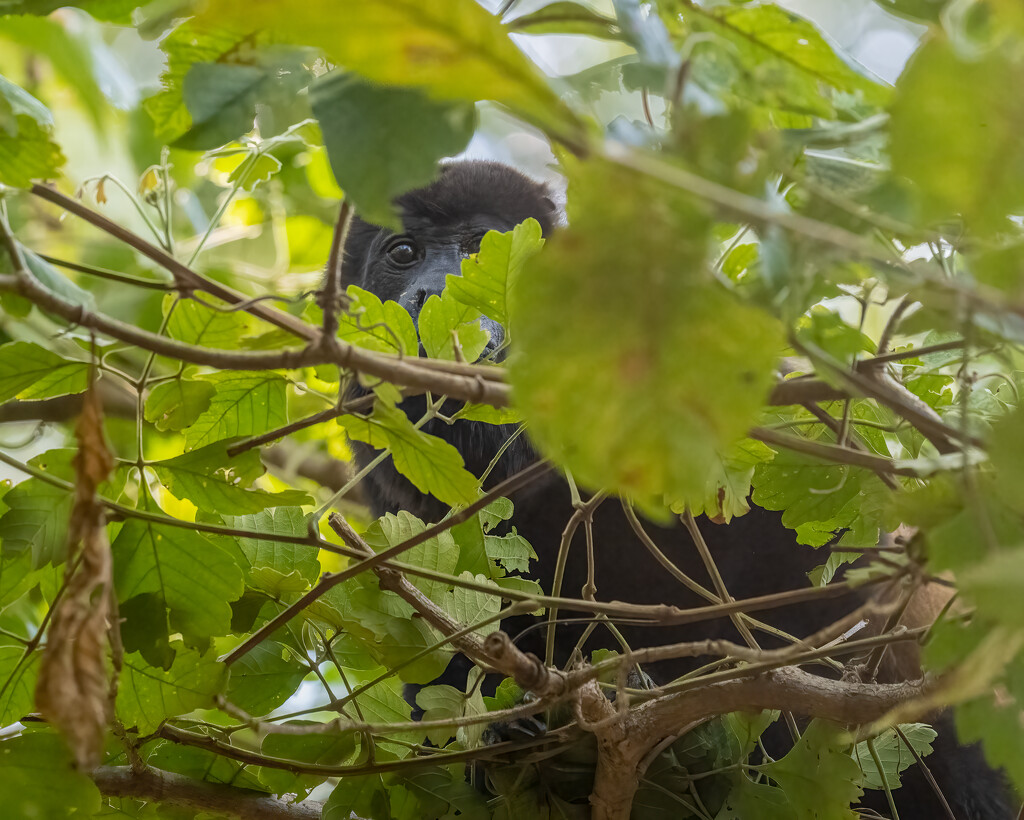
(748, 799)
(893, 754)
(37, 521)
(455, 50)
(175, 405)
(27, 151)
(488, 276)
(470, 606)
(191, 574)
(264, 678)
(769, 56)
(816, 498)
(448, 788)
(221, 99)
(254, 170)
(16, 574)
(185, 46)
(148, 695)
(956, 133)
(439, 554)
(728, 485)
(38, 779)
(513, 551)
(998, 727)
(200, 764)
(374, 155)
(702, 360)
(362, 796)
(994, 585)
(278, 555)
(319, 748)
(245, 404)
(441, 702)
(17, 680)
(212, 480)
(385, 327)
(446, 325)
(567, 18)
(28, 371)
(197, 324)
(818, 775)
(433, 465)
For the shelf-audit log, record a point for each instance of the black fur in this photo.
(755, 553)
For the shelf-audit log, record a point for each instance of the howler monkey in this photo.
(756, 555)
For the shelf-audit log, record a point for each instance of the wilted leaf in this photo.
(72, 691)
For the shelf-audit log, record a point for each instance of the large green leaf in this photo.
(444, 323)
(265, 677)
(148, 695)
(212, 480)
(17, 680)
(278, 555)
(175, 405)
(374, 154)
(385, 327)
(28, 371)
(222, 97)
(489, 276)
(818, 775)
(893, 754)
(454, 49)
(244, 404)
(187, 45)
(432, 464)
(190, 574)
(197, 324)
(38, 779)
(767, 55)
(956, 133)
(633, 367)
(37, 521)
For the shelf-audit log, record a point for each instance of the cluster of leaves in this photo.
(766, 205)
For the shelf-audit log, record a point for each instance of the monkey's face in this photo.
(411, 266)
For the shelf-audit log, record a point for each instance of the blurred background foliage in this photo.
(747, 183)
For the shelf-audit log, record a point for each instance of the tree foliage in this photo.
(781, 279)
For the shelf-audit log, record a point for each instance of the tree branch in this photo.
(625, 739)
(415, 374)
(178, 790)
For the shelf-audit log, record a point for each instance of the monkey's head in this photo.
(442, 224)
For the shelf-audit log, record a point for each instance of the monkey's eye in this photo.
(402, 251)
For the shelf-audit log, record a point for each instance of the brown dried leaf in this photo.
(73, 691)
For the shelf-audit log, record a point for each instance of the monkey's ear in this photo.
(550, 204)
